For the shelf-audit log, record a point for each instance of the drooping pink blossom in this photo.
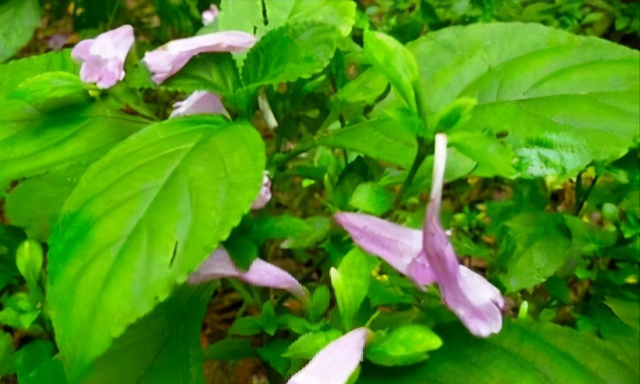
(210, 15)
(199, 102)
(168, 59)
(265, 193)
(336, 362)
(260, 273)
(427, 256)
(103, 57)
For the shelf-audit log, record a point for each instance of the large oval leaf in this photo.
(17, 71)
(161, 348)
(561, 100)
(141, 219)
(50, 121)
(523, 353)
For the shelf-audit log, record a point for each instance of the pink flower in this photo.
(260, 274)
(427, 256)
(168, 59)
(103, 57)
(265, 193)
(210, 15)
(57, 41)
(199, 102)
(336, 362)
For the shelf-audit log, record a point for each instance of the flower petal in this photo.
(260, 274)
(210, 15)
(472, 298)
(265, 192)
(267, 113)
(167, 60)
(397, 245)
(199, 102)
(335, 363)
(103, 57)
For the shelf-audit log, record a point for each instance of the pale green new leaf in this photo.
(307, 345)
(350, 284)
(405, 345)
(140, 220)
(18, 21)
(559, 100)
(398, 64)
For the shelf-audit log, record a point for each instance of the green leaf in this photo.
(493, 157)
(19, 20)
(542, 246)
(214, 72)
(163, 347)
(320, 301)
(384, 139)
(7, 351)
(372, 198)
(36, 203)
(243, 16)
(366, 88)
(350, 284)
(29, 258)
(50, 91)
(30, 357)
(272, 352)
(307, 345)
(10, 239)
(33, 143)
(523, 352)
(279, 227)
(20, 312)
(50, 372)
(316, 229)
(230, 349)
(575, 99)
(399, 65)
(289, 53)
(340, 14)
(17, 71)
(405, 345)
(159, 202)
(246, 326)
(626, 310)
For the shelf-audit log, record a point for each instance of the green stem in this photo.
(417, 162)
(281, 158)
(583, 199)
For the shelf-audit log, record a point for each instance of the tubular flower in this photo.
(427, 256)
(103, 57)
(260, 274)
(335, 363)
(210, 15)
(265, 193)
(199, 102)
(168, 59)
